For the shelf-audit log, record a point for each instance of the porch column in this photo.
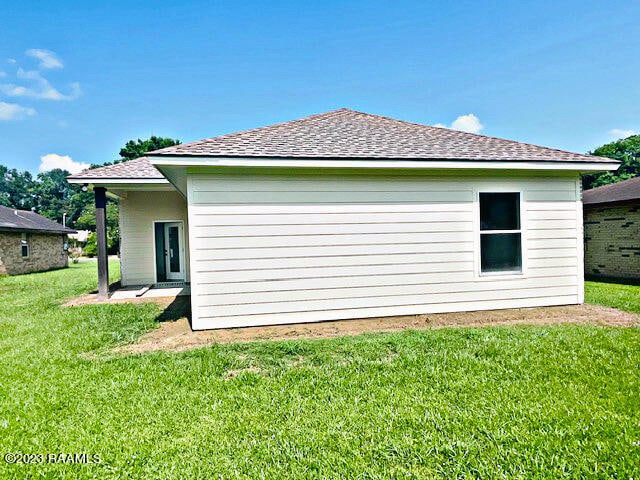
(101, 236)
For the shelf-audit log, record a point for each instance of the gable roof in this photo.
(347, 134)
(27, 221)
(137, 169)
(616, 192)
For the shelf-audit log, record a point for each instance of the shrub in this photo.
(91, 247)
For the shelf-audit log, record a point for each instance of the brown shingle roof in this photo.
(12, 219)
(140, 168)
(347, 134)
(615, 192)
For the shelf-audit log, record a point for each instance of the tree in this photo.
(626, 150)
(136, 149)
(87, 221)
(17, 189)
(52, 194)
(48, 194)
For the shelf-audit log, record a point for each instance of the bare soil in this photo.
(92, 299)
(176, 335)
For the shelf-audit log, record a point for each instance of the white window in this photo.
(24, 245)
(500, 233)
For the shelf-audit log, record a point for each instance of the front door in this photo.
(173, 251)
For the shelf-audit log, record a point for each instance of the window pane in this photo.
(25, 251)
(499, 211)
(500, 252)
(174, 250)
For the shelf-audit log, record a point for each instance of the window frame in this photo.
(25, 242)
(479, 274)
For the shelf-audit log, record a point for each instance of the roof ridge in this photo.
(29, 220)
(451, 130)
(16, 209)
(345, 133)
(251, 130)
(448, 134)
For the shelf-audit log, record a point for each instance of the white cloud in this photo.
(465, 123)
(65, 162)
(2, 74)
(40, 88)
(47, 58)
(11, 60)
(13, 111)
(621, 133)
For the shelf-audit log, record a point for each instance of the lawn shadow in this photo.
(180, 307)
(112, 287)
(613, 280)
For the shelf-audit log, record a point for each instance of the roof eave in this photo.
(36, 230)
(605, 203)
(118, 180)
(225, 161)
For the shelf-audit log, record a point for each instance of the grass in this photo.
(624, 297)
(504, 402)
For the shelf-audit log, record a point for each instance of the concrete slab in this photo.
(132, 294)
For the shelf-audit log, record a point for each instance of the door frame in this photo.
(181, 239)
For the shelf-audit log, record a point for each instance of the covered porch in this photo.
(162, 293)
(153, 224)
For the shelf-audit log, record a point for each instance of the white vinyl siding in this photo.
(274, 249)
(138, 211)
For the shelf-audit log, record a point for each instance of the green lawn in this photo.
(502, 402)
(624, 297)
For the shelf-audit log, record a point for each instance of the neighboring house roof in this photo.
(615, 192)
(347, 134)
(27, 221)
(138, 169)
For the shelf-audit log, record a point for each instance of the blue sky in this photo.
(79, 79)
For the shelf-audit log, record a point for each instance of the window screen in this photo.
(500, 233)
(24, 245)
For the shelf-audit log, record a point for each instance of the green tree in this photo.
(17, 189)
(627, 150)
(52, 194)
(91, 247)
(135, 149)
(87, 221)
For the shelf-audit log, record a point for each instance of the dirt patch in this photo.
(92, 299)
(234, 373)
(178, 336)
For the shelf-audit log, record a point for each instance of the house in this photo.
(349, 215)
(78, 240)
(612, 230)
(30, 242)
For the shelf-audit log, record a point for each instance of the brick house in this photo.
(30, 242)
(612, 230)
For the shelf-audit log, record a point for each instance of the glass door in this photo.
(173, 251)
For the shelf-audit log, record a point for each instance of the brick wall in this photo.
(612, 240)
(46, 252)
